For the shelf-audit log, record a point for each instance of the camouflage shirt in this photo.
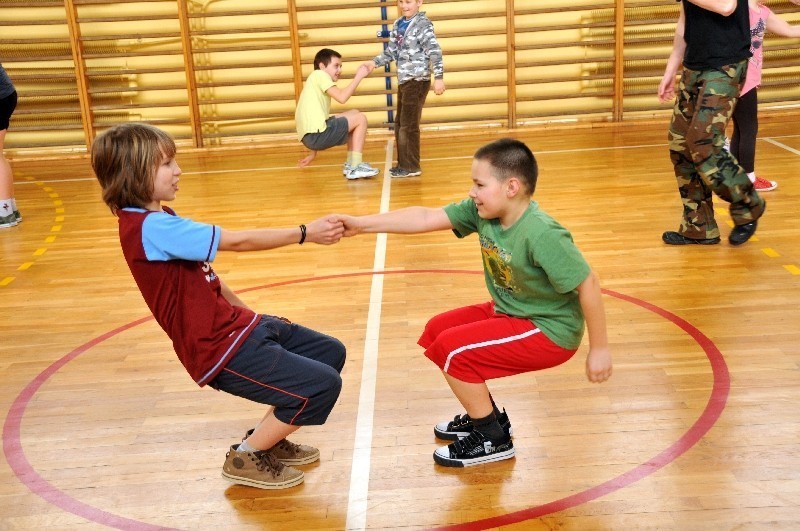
(416, 52)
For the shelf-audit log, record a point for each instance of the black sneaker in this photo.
(461, 426)
(475, 449)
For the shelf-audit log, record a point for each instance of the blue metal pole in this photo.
(384, 33)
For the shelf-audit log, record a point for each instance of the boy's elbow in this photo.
(727, 8)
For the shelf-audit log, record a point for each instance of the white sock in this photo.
(752, 176)
(6, 207)
(244, 447)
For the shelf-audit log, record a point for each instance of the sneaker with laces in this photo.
(474, 449)
(399, 172)
(8, 221)
(347, 168)
(362, 171)
(461, 426)
(19, 216)
(259, 469)
(290, 453)
(763, 185)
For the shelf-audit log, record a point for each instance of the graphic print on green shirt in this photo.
(531, 269)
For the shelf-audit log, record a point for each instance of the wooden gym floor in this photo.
(699, 427)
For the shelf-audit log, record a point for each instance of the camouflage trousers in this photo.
(703, 107)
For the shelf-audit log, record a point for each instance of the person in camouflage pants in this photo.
(707, 94)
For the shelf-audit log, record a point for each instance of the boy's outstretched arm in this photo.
(325, 230)
(598, 361)
(777, 25)
(411, 220)
(342, 95)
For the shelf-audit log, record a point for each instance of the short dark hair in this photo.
(511, 158)
(125, 160)
(324, 56)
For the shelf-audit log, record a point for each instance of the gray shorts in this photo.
(335, 134)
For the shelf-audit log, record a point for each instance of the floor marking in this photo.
(793, 269)
(781, 145)
(772, 253)
(391, 140)
(28, 475)
(362, 448)
(59, 218)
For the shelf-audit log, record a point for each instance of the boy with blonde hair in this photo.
(220, 341)
(413, 44)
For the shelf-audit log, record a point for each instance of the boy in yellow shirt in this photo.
(318, 130)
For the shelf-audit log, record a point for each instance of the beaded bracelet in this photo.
(302, 234)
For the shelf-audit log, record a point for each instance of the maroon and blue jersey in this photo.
(170, 260)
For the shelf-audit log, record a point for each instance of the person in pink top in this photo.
(745, 115)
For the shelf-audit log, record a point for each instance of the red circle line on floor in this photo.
(15, 456)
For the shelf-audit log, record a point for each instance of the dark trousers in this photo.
(288, 366)
(411, 96)
(745, 130)
(705, 103)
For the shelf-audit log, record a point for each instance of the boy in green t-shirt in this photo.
(317, 129)
(542, 292)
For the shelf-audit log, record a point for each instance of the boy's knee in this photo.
(330, 391)
(338, 354)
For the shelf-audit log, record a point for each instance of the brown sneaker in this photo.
(290, 453)
(261, 470)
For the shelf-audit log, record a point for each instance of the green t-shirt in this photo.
(532, 269)
(314, 105)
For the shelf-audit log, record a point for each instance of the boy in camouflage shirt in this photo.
(412, 43)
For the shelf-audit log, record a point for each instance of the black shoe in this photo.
(742, 233)
(475, 449)
(461, 426)
(676, 238)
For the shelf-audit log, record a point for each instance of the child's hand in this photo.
(305, 161)
(598, 364)
(438, 84)
(361, 72)
(666, 89)
(325, 230)
(370, 66)
(350, 225)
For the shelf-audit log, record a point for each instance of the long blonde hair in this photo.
(125, 159)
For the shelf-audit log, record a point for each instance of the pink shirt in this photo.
(758, 26)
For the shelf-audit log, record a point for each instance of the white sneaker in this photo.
(347, 168)
(8, 221)
(362, 171)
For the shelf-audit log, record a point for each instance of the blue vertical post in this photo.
(384, 33)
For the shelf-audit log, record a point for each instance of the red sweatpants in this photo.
(474, 344)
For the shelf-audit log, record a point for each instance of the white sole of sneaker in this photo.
(444, 460)
(264, 485)
(300, 460)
